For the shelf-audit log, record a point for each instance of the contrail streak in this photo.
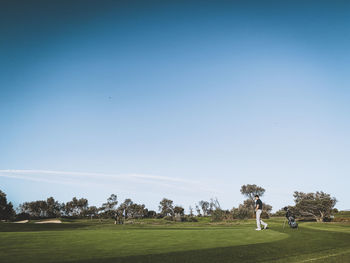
(35, 175)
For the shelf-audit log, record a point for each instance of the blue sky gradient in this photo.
(181, 99)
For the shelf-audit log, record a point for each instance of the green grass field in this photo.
(162, 241)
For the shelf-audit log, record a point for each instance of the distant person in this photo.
(258, 211)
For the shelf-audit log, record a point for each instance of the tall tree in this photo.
(126, 207)
(111, 203)
(166, 207)
(109, 209)
(76, 207)
(213, 205)
(6, 208)
(318, 205)
(136, 210)
(35, 208)
(198, 210)
(205, 207)
(250, 190)
(82, 205)
(92, 211)
(53, 207)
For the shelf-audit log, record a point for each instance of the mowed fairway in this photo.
(155, 241)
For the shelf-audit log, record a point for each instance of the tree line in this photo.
(318, 206)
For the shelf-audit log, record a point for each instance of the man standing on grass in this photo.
(258, 211)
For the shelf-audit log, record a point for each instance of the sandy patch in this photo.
(21, 222)
(53, 221)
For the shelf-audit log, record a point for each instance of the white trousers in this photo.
(258, 220)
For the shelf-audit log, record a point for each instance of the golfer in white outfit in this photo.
(258, 210)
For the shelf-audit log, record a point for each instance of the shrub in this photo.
(241, 213)
(341, 219)
(219, 215)
(265, 215)
(169, 218)
(279, 213)
(189, 219)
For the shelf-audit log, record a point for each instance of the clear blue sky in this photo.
(180, 99)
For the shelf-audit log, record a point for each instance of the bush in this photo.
(265, 215)
(189, 219)
(241, 213)
(151, 214)
(279, 213)
(159, 216)
(219, 215)
(169, 218)
(193, 219)
(341, 219)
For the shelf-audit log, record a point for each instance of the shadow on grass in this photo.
(299, 243)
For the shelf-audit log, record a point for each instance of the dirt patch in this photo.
(53, 221)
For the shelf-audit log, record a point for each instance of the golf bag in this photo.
(291, 222)
(291, 219)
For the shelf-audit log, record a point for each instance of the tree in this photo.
(151, 214)
(111, 203)
(198, 210)
(205, 207)
(82, 205)
(318, 205)
(109, 209)
(136, 210)
(280, 213)
(213, 205)
(191, 211)
(267, 208)
(92, 211)
(166, 207)
(6, 208)
(76, 207)
(249, 204)
(71, 207)
(179, 210)
(53, 207)
(217, 214)
(25, 208)
(35, 209)
(126, 207)
(251, 190)
(67, 209)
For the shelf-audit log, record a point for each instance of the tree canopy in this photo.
(250, 190)
(318, 205)
(6, 208)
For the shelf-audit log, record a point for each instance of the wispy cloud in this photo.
(74, 178)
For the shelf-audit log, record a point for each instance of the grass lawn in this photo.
(159, 241)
